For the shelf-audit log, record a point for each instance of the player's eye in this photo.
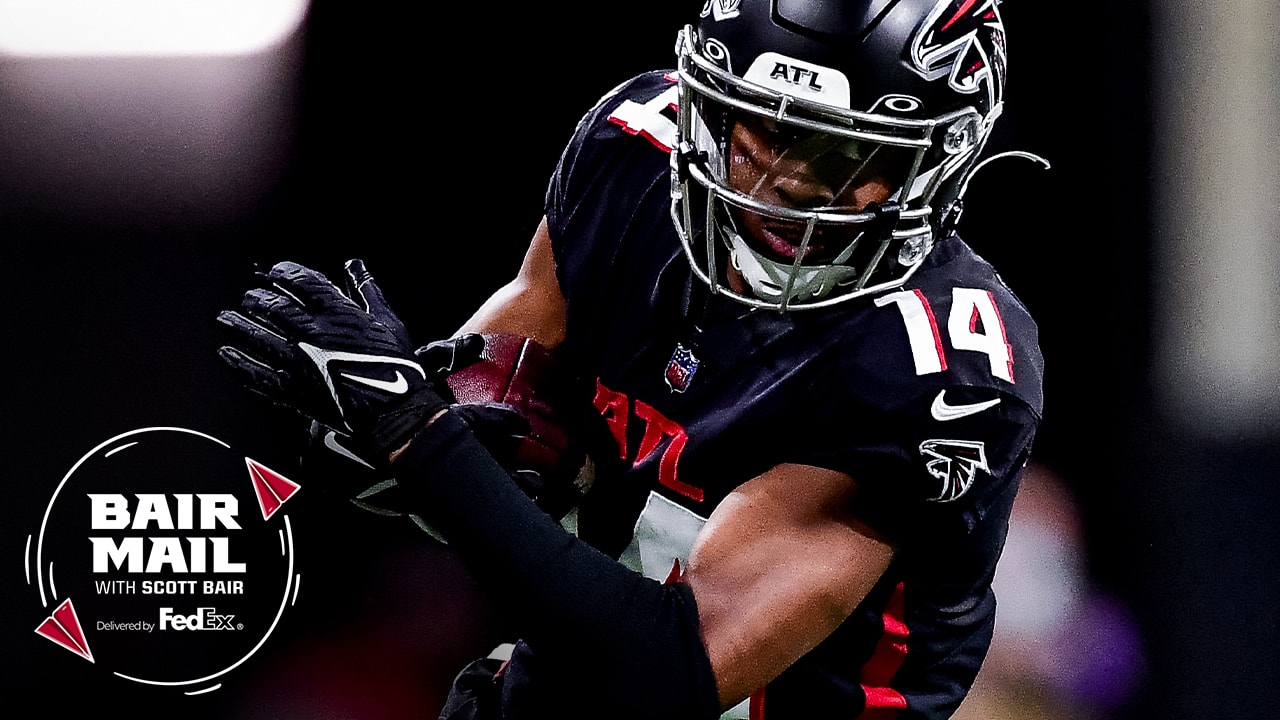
(783, 135)
(778, 136)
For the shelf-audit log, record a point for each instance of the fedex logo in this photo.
(205, 618)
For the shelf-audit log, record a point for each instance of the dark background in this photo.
(134, 204)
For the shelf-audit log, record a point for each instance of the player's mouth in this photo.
(785, 240)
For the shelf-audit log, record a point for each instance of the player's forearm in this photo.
(559, 589)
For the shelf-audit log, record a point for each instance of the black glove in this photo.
(345, 362)
(330, 454)
(445, 356)
(501, 429)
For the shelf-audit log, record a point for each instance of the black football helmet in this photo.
(823, 145)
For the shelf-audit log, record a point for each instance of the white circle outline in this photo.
(286, 540)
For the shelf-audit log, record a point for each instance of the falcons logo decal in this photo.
(721, 9)
(956, 463)
(964, 41)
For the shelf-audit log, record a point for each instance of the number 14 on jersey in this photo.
(974, 324)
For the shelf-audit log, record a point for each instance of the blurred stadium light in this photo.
(138, 28)
(147, 114)
(1216, 218)
(1206, 470)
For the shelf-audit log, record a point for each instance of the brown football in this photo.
(523, 374)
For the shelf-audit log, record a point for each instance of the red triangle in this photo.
(676, 573)
(63, 627)
(266, 500)
(271, 487)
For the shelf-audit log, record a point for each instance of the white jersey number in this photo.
(648, 120)
(974, 324)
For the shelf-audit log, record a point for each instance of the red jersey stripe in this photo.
(890, 653)
(756, 707)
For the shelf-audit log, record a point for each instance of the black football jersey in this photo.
(928, 395)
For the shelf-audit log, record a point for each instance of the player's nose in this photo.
(803, 191)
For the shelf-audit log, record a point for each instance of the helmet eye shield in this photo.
(796, 191)
(808, 169)
(736, 124)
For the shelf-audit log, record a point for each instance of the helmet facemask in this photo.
(812, 203)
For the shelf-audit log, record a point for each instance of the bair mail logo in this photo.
(164, 558)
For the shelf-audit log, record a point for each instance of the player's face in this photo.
(806, 170)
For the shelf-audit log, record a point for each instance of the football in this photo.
(522, 375)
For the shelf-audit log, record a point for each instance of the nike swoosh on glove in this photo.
(301, 342)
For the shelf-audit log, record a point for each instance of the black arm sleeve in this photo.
(565, 597)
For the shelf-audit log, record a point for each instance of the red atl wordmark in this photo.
(617, 410)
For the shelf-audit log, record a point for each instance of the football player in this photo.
(818, 397)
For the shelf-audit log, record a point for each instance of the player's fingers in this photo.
(355, 277)
(494, 419)
(530, 482)
(285, 313)
(272, 305)
(253, 373)
(365, 292)
(257, 337)
(307, 287)
(467, 349)
(452, 354)
(498, 427)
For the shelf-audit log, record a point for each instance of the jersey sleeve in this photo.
(937, 423)
(618, 151)
(921, 471)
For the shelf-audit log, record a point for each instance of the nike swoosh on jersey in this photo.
(395, 387)
(942, 411)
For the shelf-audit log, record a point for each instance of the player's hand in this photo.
(345, 362)
(361, 288)
(445, 356)
(438, 359)
(335, 457)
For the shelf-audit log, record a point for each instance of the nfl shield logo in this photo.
(681, 368)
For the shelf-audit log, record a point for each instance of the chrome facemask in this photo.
(867, 250)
